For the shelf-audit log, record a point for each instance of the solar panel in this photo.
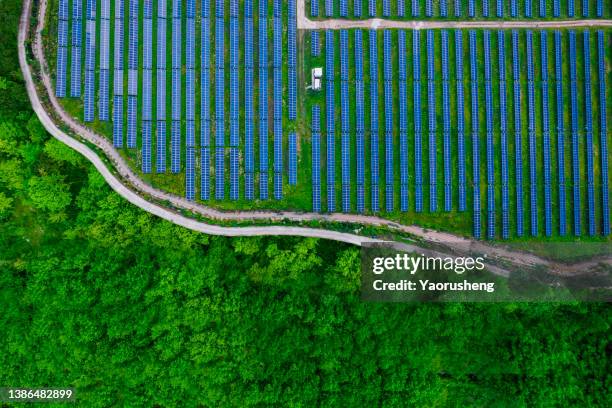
(374, 148)
(314, 8)
(546, 133)
(146, 147)
(60, 80)
(175, 147)
(160, 163)
(446, 124)
(589, 128)
(205, 173)
(330, 120)
(418, 164)
(575, 135)
(329, 8)
(475, 134)
(345, 118)
(314, 43)
(489, 130)
(75, 60)
(415, 8)
(518, 138)
(292, 158)
(403, 120)
(292, 61)
(263, 100)
(118, 121)
(501, 44)
(249, 162)
(533, 181)
(460, 120)
(603, 131)
(220, 173)
(316, 158)
(499, 8)
(431, 121)
(560, 134)
(359, 120)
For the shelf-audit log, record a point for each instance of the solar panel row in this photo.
(603, 131)
(176, 74)
(249, 161)
(205, 102)
(190, 94)
(278, 98)
(560, 134)
(75, 60)
(316, 158)
(330, 119)
(314, 43)
(314, 8)
(431, 122)
(234, 100)
(575, 135)
(147, 85)
(343, 8)
(329, 8)
(90, 62)
(292, 60)
(103, 101)
(133, 46)
(160, 162)
(518, 137)
(460, 119)
(533, 179)
(345, 118)
(263, 100)
(388, 87)
(117, 74)
(446, 126)
(359, 120)
(374, 149)
(403, 120)
(292, 158)
(588, 112)
(62, 50)
(501, 49)
(475, 134)
(489, 130)
(546, 133)
(418, 164)
(219, 96)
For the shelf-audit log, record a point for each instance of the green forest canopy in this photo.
(131, 310)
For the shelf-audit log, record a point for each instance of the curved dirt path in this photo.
(454, 242)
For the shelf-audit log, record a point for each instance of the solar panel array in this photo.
(160, 77)
(431, 123)
(314, 8)
(316, 158)
(359, 121)
(603, 132)
(77, 34)
(475, 135)
(133, 47)
(403, 120)
(90, 61)
(315, 43)
(388, 89)
(330, 119)
(489, 131)
(374, 148)
(62, 49)
(418, 150)
(278, 99)
(533, 179)
(147, 85)
(345, 121)
(103, 97)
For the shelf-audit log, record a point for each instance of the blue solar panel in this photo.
(205, 173)
(446, 126)
(560, 133)
(75, 64)
(329, 8)
(249, 161)
(146, 147)
(475, 134)
(62, 64)
(415, 8)
(118, 121)
(234, 173)
(345, 119)
(546, 134)
(219, 173)
(292, 158)
(513, 8)
(316, 158)
(175, 146)
(418, 165)
(388, 87)
(460, 118)
(501, 44)
(292, 61)
(359, 120)
(160, 163)
(533, 180)
(403, 120)
(489, 130)
(314, 8)
(343, 8)
(314, 41)
(263, 100)
(499, 8)
(589, 131)
(603, 132)
(374, 148)
(599, 11)
(103, 110)
(556, 8)
(431, 121)
(330, 119)
(518, 137)
(575, 135)
(471, 8)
